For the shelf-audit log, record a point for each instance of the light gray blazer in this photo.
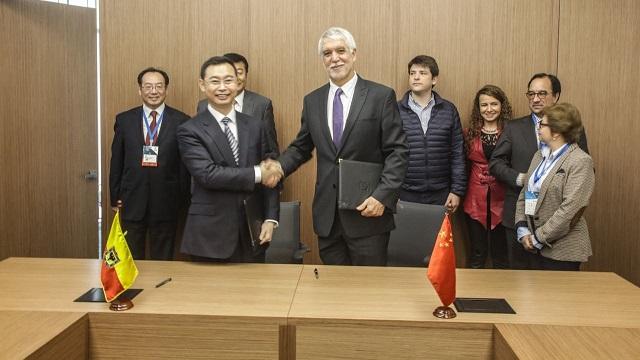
(558, 222)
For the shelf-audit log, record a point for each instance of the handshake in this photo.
(271, 173)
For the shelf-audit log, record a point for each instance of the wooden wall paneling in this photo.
(48, 145)
(598, 51)
(477, 43)
(276, 67)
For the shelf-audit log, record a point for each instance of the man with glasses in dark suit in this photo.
(513, 153)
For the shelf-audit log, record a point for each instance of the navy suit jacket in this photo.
(219, 186)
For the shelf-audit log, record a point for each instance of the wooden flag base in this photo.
(444, 312)
(121, 304)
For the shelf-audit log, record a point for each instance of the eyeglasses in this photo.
(532, 94)
(149, 87)
(217, 82)
(541, 124)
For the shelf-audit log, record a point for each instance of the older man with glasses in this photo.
(514, 151)
(146, 176)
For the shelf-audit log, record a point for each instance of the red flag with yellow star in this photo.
(442, 266)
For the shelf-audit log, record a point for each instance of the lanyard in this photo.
(546, 165)
(152, 134)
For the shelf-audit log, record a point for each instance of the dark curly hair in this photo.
(476, 121)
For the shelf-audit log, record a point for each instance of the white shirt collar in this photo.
(240, 100)
(147, 110)
(219, 116)
(348, 88)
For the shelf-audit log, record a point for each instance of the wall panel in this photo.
(48, 100)
(598, 64)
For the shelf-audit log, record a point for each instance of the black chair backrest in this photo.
(286, 247)
(412, 241)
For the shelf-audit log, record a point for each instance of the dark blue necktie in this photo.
(337, 118)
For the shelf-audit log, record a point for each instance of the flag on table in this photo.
(118, 269)
(442, 265)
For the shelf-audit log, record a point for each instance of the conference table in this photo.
(268, 311)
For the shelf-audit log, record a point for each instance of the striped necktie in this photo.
(233, 143)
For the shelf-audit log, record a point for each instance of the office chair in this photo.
(286, 247)
(417, 226)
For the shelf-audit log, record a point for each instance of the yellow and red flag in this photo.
(118, 269)
(442, 265)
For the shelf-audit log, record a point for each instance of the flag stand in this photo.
(444, 312)
(121, 304)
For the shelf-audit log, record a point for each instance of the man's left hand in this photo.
(371, 208)
(452, 203)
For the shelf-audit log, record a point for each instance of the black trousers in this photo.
(485, 242)
(162, 236)
(521, 259)
(339, 249)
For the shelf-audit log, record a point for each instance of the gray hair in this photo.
(337, 33)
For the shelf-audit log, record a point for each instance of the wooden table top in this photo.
(247, 290)
(405, 295)
(340, 292)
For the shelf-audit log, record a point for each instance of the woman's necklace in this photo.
(488, 131)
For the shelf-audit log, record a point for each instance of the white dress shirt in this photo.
(346, 97)
(147, 112)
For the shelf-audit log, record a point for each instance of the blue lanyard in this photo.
(152, 134)
(546, 165)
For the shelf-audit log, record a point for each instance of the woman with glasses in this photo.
(485, 195)
(556, 191)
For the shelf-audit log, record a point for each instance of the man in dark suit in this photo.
(350, 118)
(249, 102)
(146, 173)
(222, 149)
(513, 153)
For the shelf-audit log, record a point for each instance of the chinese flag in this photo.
(442, 266)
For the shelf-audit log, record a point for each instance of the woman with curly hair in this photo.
(485, 195)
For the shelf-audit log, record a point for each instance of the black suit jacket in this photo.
(261, 108)
(373, 133)
(156, 192)
(512, 155)
(219, 185)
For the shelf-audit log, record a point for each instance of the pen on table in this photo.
(163, 282)
(315, 271)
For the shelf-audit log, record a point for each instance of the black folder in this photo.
(253, 207)
(253, 210)
(356, 182)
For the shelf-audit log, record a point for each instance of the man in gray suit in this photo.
(349, 118)
(513, 153)
(250, 103)
(222, 148)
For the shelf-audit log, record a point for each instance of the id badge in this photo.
(150, 156)
(530, 202)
